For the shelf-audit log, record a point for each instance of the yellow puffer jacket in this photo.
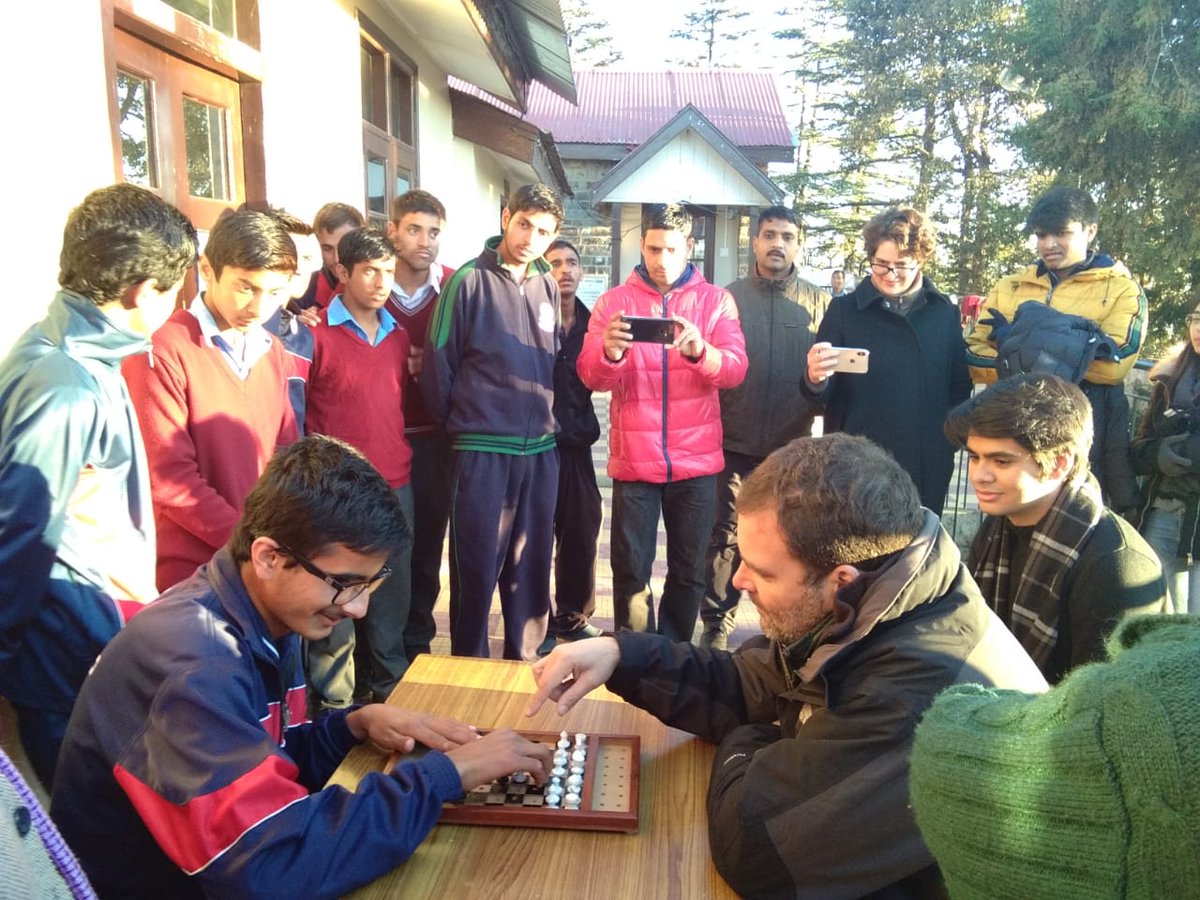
(1105, 293)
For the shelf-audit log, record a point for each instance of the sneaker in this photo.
(587, 630)
(547, 645)
(713, 638)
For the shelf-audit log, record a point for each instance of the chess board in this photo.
(608, 795)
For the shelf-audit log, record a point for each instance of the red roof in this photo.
(627, 107)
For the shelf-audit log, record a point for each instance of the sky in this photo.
(641, 29)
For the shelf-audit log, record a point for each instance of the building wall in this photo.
(311, 130)
(58, 143)
(588, 228)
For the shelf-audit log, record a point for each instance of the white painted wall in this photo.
(58, 146)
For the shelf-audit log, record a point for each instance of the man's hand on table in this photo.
(499, 753)
(572, 670)
(393, 728)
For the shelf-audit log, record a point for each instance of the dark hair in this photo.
(252, 240)
(667, 217)
(120, 236)
(1045, 414)
(776, 212)
(839, 500)
(535, 198)
(841, 272)
(562, 244)
(293, 224)
(417, 201)
(364, 245)
(911, 232)
(333, 216)
(1060, 206)
(318, 492)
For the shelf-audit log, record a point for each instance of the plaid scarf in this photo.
(1031, 613)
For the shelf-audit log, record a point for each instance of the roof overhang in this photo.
(497, 127)
(499, 45)
(690, 133)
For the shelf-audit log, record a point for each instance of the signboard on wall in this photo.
(591, 287)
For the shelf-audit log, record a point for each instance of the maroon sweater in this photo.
(356, 393)
(416, 418)
(208, 436)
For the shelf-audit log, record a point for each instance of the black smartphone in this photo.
(651, 330)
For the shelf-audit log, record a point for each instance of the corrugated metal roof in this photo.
(627, 107)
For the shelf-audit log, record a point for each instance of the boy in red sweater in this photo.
(415, 230)
(356, 393)
(211, 395)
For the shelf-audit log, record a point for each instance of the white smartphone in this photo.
(852, 359)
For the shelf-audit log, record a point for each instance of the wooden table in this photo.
(667, 858)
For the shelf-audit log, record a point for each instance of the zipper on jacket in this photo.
(666, 454)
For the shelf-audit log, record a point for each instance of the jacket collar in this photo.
(761, 282)
(922, 572)
(83, 331)
(491, 256)
(225, 578)
(866, 294)
(689, 274)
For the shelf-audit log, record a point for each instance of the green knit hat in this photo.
(1089, 791)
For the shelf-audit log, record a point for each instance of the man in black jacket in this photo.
(779, 312)
(867, 613)
(577, 514)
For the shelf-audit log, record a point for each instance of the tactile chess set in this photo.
(593, 787)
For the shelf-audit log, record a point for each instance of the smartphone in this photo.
(651, 330)
(852, 359)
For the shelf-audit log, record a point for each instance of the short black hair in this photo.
(667, 217)
(364, 245)
(776, 212)
(562, 244)
(1045, 414)
(120, 236)
(247, 239)
(318, 492)
(293, 223)
(1060, 206)
(536, 198)
(417, 201)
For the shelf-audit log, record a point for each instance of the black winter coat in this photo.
(917, 373)
(577, 423)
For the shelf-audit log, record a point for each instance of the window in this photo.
(216, 14)
(185, 75)
(389, 122)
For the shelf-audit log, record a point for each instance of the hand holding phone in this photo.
(852, 359)
(650, 329)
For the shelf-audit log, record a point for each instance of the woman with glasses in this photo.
(917, 366)
(1167, 448)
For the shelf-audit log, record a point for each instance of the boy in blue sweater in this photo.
(189, 768)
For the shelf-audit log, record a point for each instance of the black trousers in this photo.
(576, 529)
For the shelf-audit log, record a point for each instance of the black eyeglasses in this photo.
(345, 591)
(900, 270)
(1193, 319)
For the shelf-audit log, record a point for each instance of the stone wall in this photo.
(589, 229)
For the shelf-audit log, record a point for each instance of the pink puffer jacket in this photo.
(665, 426)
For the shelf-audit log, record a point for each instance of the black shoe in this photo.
(547, 645)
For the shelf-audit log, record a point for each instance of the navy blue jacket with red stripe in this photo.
(189, 768)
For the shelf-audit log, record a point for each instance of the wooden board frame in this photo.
(587, 818)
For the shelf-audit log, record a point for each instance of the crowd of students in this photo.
(148, 451)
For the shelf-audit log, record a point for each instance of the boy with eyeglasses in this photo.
(1071, 277)
(356, 392)
(189, 768)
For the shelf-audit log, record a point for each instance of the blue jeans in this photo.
(1161, 531)
(687, 511)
